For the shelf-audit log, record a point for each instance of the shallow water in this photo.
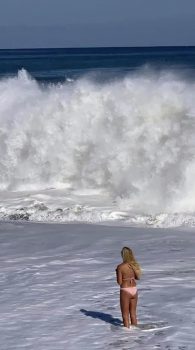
(58, 288)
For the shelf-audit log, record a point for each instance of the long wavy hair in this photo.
(128, 257)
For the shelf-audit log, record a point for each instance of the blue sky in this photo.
(86, 23)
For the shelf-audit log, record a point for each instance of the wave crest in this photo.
(132, 138)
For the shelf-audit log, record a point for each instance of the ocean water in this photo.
(59, 290)
(98, 135)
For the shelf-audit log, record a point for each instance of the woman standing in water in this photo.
(127, 273)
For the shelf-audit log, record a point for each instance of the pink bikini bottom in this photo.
(130, 290)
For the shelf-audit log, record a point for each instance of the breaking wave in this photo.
(131, 138)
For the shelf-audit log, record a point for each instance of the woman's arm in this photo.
(118, 275)
(137, 274)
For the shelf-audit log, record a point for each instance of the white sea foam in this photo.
(131, 140)
(58, 288)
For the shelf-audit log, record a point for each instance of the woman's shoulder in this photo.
(120, 266)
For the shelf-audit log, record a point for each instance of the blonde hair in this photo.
(128, 257)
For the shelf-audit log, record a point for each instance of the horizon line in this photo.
(100, 47)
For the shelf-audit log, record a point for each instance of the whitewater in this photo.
(118, 150)
(59, 290)
(96, 136)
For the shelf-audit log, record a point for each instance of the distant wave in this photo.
(132, 138)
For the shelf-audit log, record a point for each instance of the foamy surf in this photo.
(59, 287)
(130, 141)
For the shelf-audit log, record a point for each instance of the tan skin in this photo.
(128, 303)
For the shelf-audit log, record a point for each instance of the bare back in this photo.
(126, 275)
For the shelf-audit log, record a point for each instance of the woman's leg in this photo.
(132, 310)
(124, 303)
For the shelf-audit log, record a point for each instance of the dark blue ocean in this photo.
(57, 64)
